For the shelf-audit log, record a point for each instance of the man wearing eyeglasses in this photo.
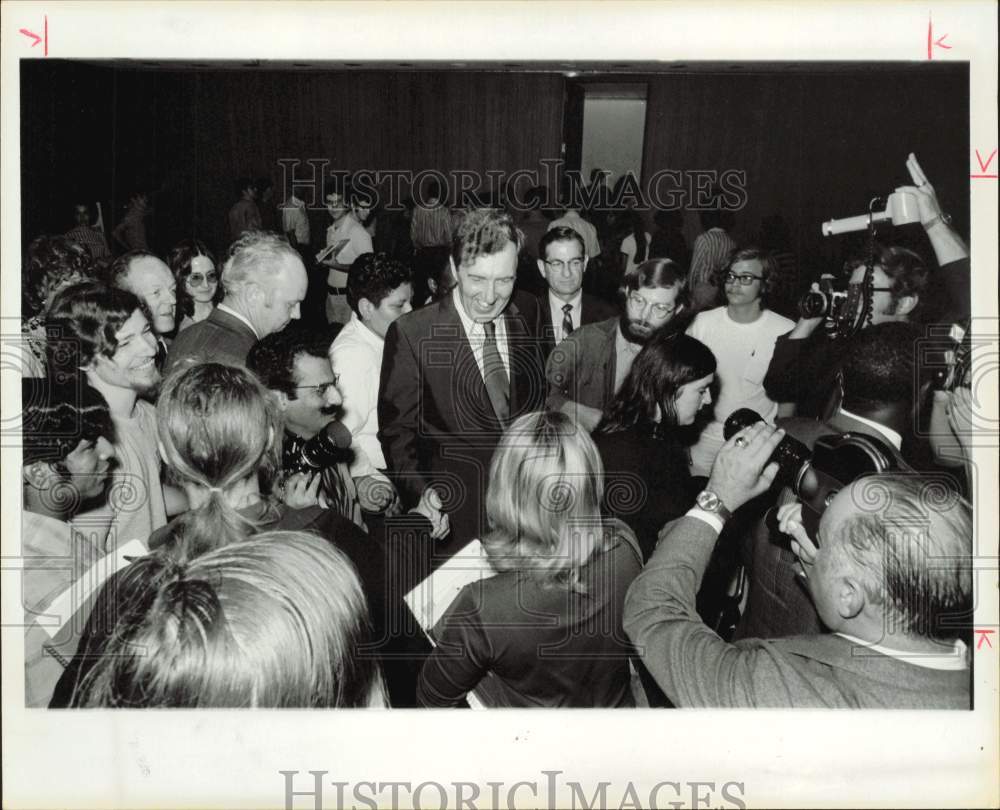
(741, 335)
(566, 307)
(294, 366)
(586, 369)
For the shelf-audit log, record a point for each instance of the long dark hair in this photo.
(180, 265)
(667, 362)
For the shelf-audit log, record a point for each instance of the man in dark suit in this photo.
(565, 306)
(893, 568)
(265, 282)
(457, 372)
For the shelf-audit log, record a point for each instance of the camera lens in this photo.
(813, 305)
(792, 455)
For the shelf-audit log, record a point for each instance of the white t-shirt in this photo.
(358, 241)
(743, 353)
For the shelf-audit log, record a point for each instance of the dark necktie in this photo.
(567, 324)
(495, 375)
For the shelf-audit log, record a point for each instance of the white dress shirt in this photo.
(356, 356)
(477, 335)
(556, 304)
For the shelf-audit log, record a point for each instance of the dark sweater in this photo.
(519, 641)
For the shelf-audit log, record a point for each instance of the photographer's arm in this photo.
(689, 661)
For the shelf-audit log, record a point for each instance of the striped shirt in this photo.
(711, 249)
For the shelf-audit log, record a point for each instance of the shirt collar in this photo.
(470, 326)
(953, 660)
(235, 314)
(557, 303)
(367, 335)
(889, 434)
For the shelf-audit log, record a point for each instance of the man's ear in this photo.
(37, 474)
(541, 268)
(365, 308)
(586, 262)
(281, 398)
(850, 595)
(905, 304)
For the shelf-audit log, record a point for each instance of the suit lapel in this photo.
(464, 380)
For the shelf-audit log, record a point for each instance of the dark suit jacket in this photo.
(437, 425)
(583, 370)
(220, 338)
(592, 310)
(695, 667)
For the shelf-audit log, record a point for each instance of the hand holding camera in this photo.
(743, 469)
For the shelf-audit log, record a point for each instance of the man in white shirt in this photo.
(741, 335)
(379, 290)
(346, 239)
(566, 307)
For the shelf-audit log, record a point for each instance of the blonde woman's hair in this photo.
(279, 620)
(218, 426)
(543, 505)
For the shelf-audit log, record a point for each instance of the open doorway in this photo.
(605, 128)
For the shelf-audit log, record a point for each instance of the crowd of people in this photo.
(655, 488)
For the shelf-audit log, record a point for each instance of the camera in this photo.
(829, 301)
(326, 449)
(817, 475)
(792, 456)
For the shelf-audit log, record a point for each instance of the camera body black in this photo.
(326, 449)
(817, 475)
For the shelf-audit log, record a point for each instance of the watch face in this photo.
(708, 500)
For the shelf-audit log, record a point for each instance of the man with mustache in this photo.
(294, 366)
(587, 368)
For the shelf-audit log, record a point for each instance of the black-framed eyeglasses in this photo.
(559, 265)
(322, 388)
(199, 280)
(744, 279)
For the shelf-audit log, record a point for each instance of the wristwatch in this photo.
(711, 502)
